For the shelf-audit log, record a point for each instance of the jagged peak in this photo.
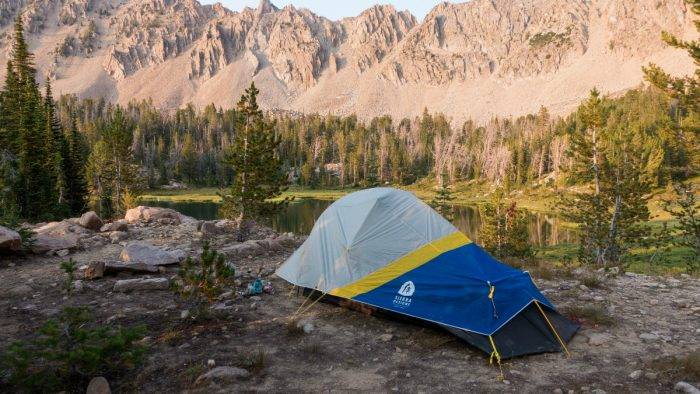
(266, 7)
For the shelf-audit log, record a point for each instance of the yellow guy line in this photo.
(561, 342)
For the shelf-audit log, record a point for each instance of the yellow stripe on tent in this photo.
(404, 264)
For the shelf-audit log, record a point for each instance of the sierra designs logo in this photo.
(403, 299)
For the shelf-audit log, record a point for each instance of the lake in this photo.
(300, 215)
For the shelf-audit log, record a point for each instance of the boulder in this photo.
(98, 385)
(209, 229)
(251, 247)
(91, 221)
(153, 214)
(141, 252)
(44, 243)
(119, 225)
(118, 236)
(684, 387)
(9, 239)
(57, 236)
(95, 270)
(142, 284)
(222, 375)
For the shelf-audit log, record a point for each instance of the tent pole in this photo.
(561, 342)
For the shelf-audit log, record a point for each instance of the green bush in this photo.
(69, 267)
(203, 281)
(68, 352)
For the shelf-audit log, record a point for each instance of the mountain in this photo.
(469, 60)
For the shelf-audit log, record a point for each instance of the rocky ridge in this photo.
(370, 64)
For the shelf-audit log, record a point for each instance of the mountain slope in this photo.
(469, 60)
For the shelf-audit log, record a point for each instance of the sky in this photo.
(337, 9)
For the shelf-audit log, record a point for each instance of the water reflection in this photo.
(299, 218)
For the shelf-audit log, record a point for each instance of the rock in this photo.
(115, 268)
(648, 336)
(95, 270)
(140, 252)
(21, 290)
(211, 363)
(91, 221)
(78, 286)
(63, 253)
(306, 326)
(636, 374)
(46, 243)
(683, 387)
(142, 284)
(184, 314)
(150, 214)
(251, 247)
(651, 375)
(208, 229)
(558, 391)
(597, 339)
(9, 239)
(386, 337)
(117, 236)
(98, 385)
(222, 375)
(119, 225)
(58, 236)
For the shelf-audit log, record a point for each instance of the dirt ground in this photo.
(652, 322)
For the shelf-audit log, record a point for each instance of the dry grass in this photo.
(294, 329)
(257, 361)
(595, 315)
(592, 281)
(686, 367)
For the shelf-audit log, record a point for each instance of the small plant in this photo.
(592, 282)
(442, 201)
(685, 366)
(69, 267)
(68, 352)
(257, 361)
(591, 314)
(203, 281)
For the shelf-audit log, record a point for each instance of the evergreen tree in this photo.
(612, 211)
(56, 150)
(684, 208)
(685, 152)
(75, 159)
(253, 158)
(504, 230)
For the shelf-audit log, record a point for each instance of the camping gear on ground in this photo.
(385, 248)
(255, 287)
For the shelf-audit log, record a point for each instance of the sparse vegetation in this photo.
(595, 315)
(201, 282)
(68, 352)
(69, 267)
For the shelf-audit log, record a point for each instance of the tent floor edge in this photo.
(526, 334)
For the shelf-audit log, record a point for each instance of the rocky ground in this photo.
(639, 333)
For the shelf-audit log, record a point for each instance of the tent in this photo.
(385, 248)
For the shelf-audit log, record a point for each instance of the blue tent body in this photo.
(387, 249)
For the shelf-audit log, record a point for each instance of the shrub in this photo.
(69, 267)
(203, 281)
(504, 231)
(68, 352)
(592, 314)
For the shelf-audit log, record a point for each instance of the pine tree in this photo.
(253, 158)
(75, 159)
(686, 233)
(504, 231)
(28, 116)
(612, 212)
(685, 91)
(56, 150)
